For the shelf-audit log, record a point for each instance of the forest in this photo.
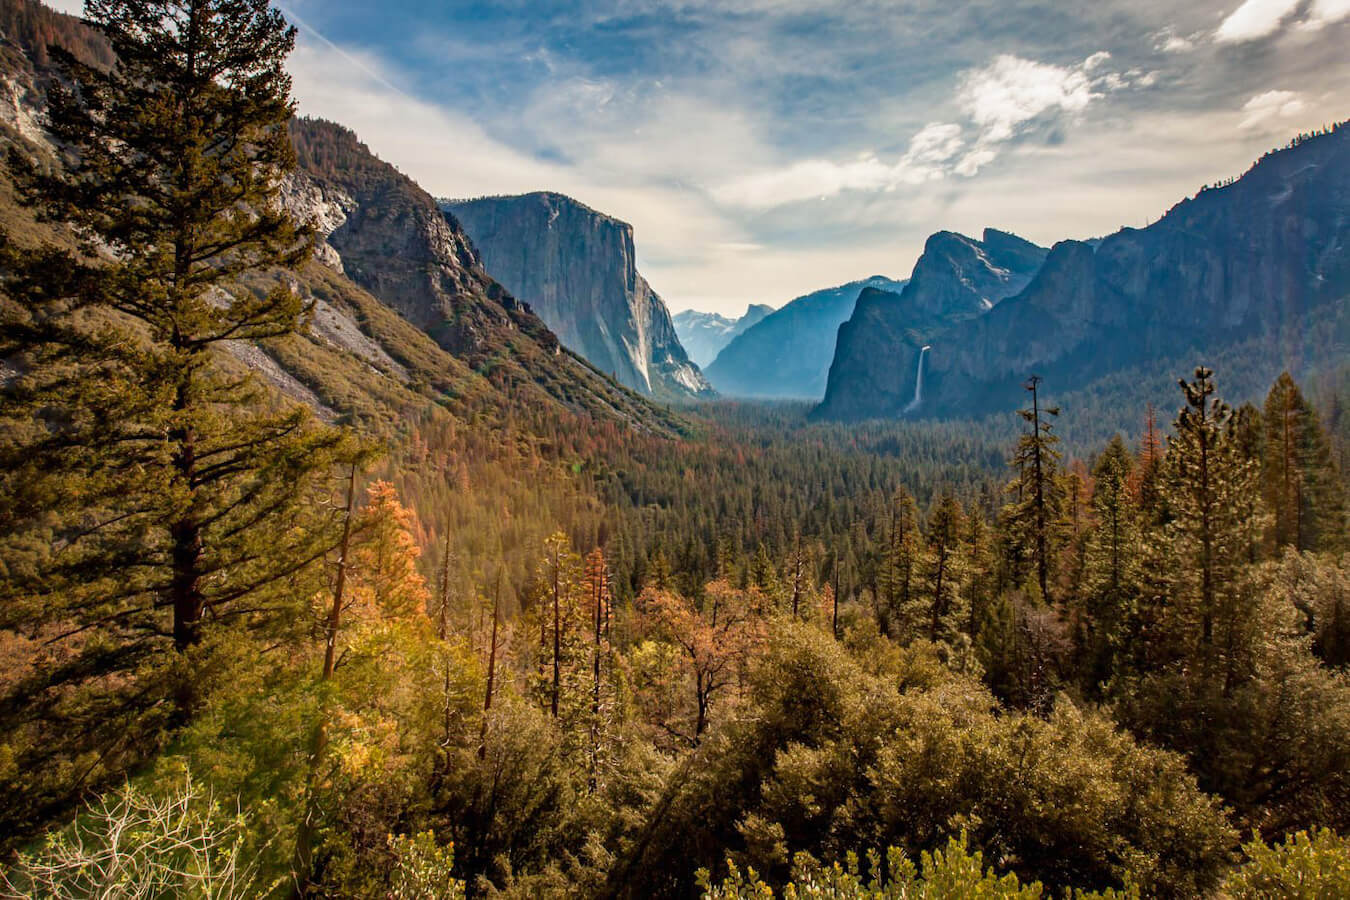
(495, 645)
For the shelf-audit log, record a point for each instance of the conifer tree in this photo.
(1113, 557)
(1147, 482)
(1298, 476)
(173, 164)
(896, 569)
(175, 487)
(1207, 479)
(1032, 516)
(944, 567)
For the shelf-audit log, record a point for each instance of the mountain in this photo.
(787, 354)
(957, 278)
(1256, 259)
(404, 313)
(704, 334)
(576, 268)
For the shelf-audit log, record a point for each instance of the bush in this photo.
(1306, 866)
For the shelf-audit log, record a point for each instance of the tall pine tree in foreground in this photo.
(149, 489)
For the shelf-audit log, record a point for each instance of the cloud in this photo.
(1010, 92)
(1253, 20)
(1000, 100)
(1325, 12)
(764, 148)
(1256, 19)
(1262, 109)
(1168, 41)
(930, 150)
(69, 7)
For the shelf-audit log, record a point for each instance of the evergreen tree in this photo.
(173, 486)
(1113, 558)
(1208, 479)
(944, 569)
(1032, 516)
(896, 571)
(1298, 476)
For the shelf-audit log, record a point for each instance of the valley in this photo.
(357, 541)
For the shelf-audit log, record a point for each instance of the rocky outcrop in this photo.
(788, 353)
(704, 334)
(394, 242)
(325, 209)
(576, 269)
(1242, 261)
(957, 278)
(402, 310)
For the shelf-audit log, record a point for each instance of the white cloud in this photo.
(975, 160)
(69, 7)
(1325, 12)
(1253, 20)
(1264, 109)
(1168, 41)
(930, 150)
(1003, 96)
(1000, 99)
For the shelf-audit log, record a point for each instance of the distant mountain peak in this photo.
(788, 353)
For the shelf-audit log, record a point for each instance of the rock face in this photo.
(787, 354)
(875, 364)
(1233, 263)
(403, 312)
(576, 269)
(394, 242)
(704, 334)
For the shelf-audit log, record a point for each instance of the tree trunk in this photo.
(302, 865)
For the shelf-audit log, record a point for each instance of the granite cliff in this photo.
(1247, 260)
(704, 334)
(576, 268)
(787, 354)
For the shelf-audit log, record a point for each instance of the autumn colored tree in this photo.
(714, 642)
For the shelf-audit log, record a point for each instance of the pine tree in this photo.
(1207, 479)
(944, 568)
(1147, 481)
(1032, 516)
(896, 573)
(1113, 558)
(1298, 476)
(176, 489)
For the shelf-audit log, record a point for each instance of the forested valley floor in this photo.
(459, 616)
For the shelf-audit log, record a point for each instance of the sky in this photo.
(763, 149)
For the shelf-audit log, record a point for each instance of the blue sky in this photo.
(766, 148)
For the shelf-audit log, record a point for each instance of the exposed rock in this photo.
(252, 356)
(324, 208)
(704, 334)
(576, 269)
(1232, 263)
(788, 353)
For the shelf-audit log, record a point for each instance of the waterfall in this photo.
(918, 382)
